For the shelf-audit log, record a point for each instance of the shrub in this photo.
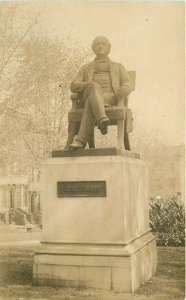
(167, 221)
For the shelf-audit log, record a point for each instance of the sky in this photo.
(147, 37)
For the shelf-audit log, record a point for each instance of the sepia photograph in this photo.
(92, 150)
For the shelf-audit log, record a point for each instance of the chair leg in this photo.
(126, 137)
(120, 134)
(73, 128)
(91, 141)
(127, 141)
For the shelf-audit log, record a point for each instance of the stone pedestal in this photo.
(97, 236)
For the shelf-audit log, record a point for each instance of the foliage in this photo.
(167, 221)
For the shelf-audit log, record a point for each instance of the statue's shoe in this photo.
(77, 145)
(103, 125)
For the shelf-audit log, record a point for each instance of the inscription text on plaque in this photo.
(81, 189)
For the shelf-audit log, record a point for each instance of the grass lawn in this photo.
(16, 259)
(16, 279)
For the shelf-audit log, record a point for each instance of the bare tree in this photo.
(36, 115)
(15, 27)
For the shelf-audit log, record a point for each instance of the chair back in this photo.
(132, 75)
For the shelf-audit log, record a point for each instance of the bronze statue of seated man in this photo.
(100, 84)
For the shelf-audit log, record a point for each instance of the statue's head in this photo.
(101, 46)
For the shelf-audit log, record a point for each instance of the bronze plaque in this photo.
(81, 189)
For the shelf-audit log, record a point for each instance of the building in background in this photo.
(20, 184)
(20, 191)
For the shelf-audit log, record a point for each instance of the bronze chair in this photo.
(119, 115)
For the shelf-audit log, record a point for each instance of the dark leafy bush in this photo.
(167, 221)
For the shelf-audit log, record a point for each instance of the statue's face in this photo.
(101, 47)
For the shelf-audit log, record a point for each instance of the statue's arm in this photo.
(125, 83)
(79, 84)
(125, 78)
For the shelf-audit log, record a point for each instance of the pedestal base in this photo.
(121, 268)
(95, 221)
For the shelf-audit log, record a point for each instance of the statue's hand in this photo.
(86, 84)
(123, 92)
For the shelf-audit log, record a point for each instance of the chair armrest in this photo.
(123, 103)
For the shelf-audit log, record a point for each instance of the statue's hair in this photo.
(100, 37)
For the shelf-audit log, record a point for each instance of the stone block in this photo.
(95, 277)
(122, 271)
(98, 240)
(122, 279)
(119, 217)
